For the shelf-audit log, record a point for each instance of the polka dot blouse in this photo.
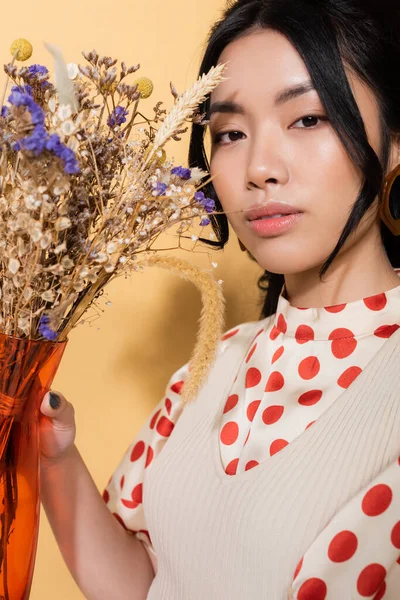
(299, 363)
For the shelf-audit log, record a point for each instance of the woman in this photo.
(282, 479)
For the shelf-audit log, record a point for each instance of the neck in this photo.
(354, 274)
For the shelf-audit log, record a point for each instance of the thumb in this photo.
(58, 409)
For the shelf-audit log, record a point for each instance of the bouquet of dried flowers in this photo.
(86, 188)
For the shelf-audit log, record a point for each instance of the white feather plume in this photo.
(63, 83)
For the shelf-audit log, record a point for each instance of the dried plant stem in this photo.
(84, 305)
(211, 321)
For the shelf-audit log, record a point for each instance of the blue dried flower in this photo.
(18, 98)
(181, 172)
(45, 329)
(160, 188)
(117, 117)
(4, 111)
(38, 70)
(207, 203)
(24, 89)
(36, 142)
(204, 222)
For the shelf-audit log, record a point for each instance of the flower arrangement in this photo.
(86, 190)
(86, 187)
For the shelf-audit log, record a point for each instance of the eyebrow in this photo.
(227, 106)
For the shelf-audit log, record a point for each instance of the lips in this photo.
(270, 209)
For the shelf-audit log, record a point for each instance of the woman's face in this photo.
(286, 151)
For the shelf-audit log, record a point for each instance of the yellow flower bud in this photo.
(23, 47)
(145, 86)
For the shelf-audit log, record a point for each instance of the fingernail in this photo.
(54, 400)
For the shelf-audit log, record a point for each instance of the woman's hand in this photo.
(57, 427)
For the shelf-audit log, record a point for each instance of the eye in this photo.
(310, 121)
(223, 138)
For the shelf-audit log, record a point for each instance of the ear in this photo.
(394, 152)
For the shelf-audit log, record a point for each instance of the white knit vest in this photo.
(222, 537)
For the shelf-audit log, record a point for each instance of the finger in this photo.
(56, 407)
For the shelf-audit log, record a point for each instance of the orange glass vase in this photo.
(27, 369)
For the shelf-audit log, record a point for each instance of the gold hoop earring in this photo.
(391, 223)
(242, 246)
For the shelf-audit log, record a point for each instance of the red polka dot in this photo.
(231, 403)
(247, 438)
(253, 377)
(281, 324)
(370, 579)
(385, 331)
(274, 333)
(154, 419)
(395, 535)
(150, 456)
(309, 425)
(121, 483)
(343, 546)
(251, 464)
(275, 382)
(259, 333)
(229, 433)
(343, 342)
(137, 451)
(250, 354)
(106, 496)
(229, 334)
(272, 414)
(231, 468)
(309, 367)
(277, 354)
(304, 334)
(377, 302)
(313, 589)
(165, 426)
(177, 387)
(336, 308)
(381, 592)
(310, 398)
(136, 496)
(252, 409)
(297, 571)
(377, 500)
(168, 405)
(277, 446)
(348, 376)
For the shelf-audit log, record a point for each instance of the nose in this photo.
(266, 166)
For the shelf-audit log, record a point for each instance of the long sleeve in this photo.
(124, 492)
(357, 555)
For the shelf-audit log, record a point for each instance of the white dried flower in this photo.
(46, 241)
(60, 248)
(48, 296)
(64, 112)
(67, 263)
(13, 265)
(111, 247)
(68, 128)
(73, 70)
(63, 223)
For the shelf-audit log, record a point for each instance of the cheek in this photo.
(226, 169)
